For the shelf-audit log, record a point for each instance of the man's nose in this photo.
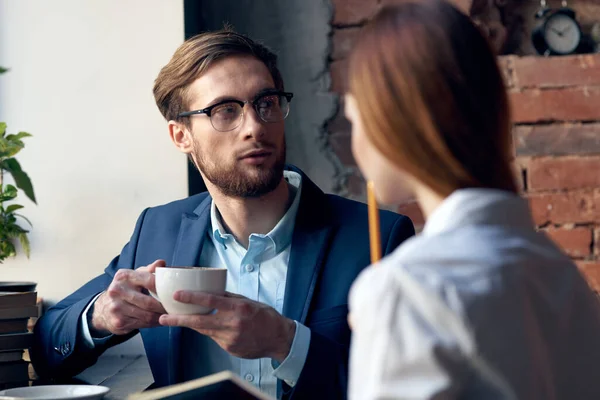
(252, 124)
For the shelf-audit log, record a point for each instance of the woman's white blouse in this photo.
(479, 305)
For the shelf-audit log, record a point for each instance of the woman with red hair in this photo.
(479, 305)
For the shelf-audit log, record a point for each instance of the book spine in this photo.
(17, 371)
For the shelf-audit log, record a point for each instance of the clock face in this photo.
(562, 33)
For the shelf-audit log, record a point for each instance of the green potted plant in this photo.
(10, 229)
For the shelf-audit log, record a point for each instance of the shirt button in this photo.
(249, 377)
(249, 268)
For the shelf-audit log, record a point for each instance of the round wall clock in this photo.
(557, 32)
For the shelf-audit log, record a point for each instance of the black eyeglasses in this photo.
(270, 106)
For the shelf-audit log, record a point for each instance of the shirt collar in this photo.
(281, 234)
(479, 207)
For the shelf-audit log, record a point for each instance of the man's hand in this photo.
(242, 327)
(123, 307)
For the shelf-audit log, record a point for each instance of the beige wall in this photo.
(81, 82)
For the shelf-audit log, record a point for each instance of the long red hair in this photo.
(432, 98)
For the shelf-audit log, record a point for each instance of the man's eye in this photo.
(226, 110)
(268, 102)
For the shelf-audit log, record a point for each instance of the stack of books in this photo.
(16, 309)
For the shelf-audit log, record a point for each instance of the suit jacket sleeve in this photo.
(59, 350)
(325, 372)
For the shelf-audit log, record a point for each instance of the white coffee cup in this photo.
(199, 279)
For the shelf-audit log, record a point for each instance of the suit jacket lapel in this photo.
(309, 245)
(188, 247)
(192, 233)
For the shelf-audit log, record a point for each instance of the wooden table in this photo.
(124, 375)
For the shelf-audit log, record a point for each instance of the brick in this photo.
(544, 72)
(591, 272)
(564, 208)
(352, 12)
(343, 42)
(576, 242)
(518, 167)
(413, 211)
(557, 139)
(571, 104)
(505, 64)
(563, 173)
(339, 76)
(463, 5)
(342, 146)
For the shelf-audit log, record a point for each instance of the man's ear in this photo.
(180, 136)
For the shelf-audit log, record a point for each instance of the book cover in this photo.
(17, 371)
(32, 321)
(13, 325)
(18, 312)
(17, 299)
(16, 341)
(222, 385)
(9, 356)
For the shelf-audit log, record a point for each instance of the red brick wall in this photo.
(556, 110)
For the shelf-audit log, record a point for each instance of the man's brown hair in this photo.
(432, 98)
(194, 57)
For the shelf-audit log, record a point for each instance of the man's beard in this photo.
(241, 180)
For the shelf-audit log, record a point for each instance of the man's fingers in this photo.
(121, 317)
(152, 267)
(233, 295)
(210, 300)
(138, 278)
(198, 322)
(144, 302)
(127, 315)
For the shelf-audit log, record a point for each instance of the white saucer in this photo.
(57, 392)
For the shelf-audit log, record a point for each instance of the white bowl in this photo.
(57, 392)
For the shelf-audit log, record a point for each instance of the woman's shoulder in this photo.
(471, 264)
(475, 251)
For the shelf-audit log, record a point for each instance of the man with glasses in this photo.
(291, 251)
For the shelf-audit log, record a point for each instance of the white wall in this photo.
(81, 82)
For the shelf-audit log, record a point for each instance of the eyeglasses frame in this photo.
(208, 110)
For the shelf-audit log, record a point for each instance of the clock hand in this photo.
(559, 33)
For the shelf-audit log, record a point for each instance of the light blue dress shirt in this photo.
(258, 273)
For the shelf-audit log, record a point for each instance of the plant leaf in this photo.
(10, 192)
(25, 218)
(9, 221)
(13, 208)
(7, 249)
(13, 230)
(18, 136)
(2, 129)
(3, 70)
(25, 243)
(9, 149)
(21, 178)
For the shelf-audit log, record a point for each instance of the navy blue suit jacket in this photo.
(330, 246)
